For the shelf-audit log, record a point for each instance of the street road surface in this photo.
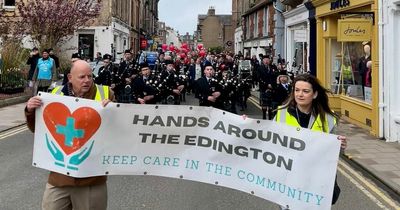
(22, 185)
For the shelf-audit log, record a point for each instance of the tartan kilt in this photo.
(125, 95)
(266, 98)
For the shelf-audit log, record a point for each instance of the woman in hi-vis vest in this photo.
(308, 107)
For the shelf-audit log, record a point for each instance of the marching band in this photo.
(215, 80)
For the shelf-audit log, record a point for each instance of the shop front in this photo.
(347, 58)
(389, 55)
(258, 46)
(297, 39)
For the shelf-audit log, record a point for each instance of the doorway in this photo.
(86, 45)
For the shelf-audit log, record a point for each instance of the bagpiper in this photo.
(171, 85)
(208, 89)
(127, 71)
(106, 73)
(144, 91)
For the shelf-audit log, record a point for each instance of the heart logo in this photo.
(71, 131)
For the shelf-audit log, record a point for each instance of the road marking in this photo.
(362, 189)
(253, 100)
(367, 184)
(13, 131)
(351, 171)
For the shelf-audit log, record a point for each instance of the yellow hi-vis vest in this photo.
(284, 116)
(101, 93)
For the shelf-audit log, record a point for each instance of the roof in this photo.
(224, 19)
(202, 17)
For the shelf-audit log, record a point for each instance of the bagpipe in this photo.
(124, 92)
(155, 83)
(163, 84)
(231, 85)
(103, 78)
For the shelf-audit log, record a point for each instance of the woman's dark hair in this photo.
(320, 105)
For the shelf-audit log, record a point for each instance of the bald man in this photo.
(65, 192)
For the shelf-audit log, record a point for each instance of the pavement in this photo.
(14, 100)
(378, 158)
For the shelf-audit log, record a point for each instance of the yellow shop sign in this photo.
(354, 30)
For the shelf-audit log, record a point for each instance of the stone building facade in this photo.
(215, 30)
(120, 26)
(259, 27)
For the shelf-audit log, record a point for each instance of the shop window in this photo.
(298, 51)
(351, 69)
(9, 4)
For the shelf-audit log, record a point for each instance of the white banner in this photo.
(287, 165)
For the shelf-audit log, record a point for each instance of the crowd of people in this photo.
(174, 76)
(215, 79)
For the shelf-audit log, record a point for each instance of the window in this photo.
(255, 31)
(86, 45)
(265, 22)
(351, 69)
(247, 27)
(298, 52)
(114, 7)
(9, 3)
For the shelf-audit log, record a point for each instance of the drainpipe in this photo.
(276, 8)
(381, 91)
(281, 48)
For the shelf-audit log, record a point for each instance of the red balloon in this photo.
(176, 50)
(171, 47)
(184, 50)
(202, 53)
(200, 47)
(185, 46)
(164, 47)
(183, 55)
(187, 60)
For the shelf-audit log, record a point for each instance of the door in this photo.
(86, 45)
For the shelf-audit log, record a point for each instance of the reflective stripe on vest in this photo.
(101, 93)
(57, 90)
(284, 116)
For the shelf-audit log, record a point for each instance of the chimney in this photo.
(211, 11)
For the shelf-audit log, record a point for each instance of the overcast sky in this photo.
(182, 14)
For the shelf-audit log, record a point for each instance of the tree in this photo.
(49, 21)
(216, 50)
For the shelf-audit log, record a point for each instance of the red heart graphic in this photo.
(85, 120)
